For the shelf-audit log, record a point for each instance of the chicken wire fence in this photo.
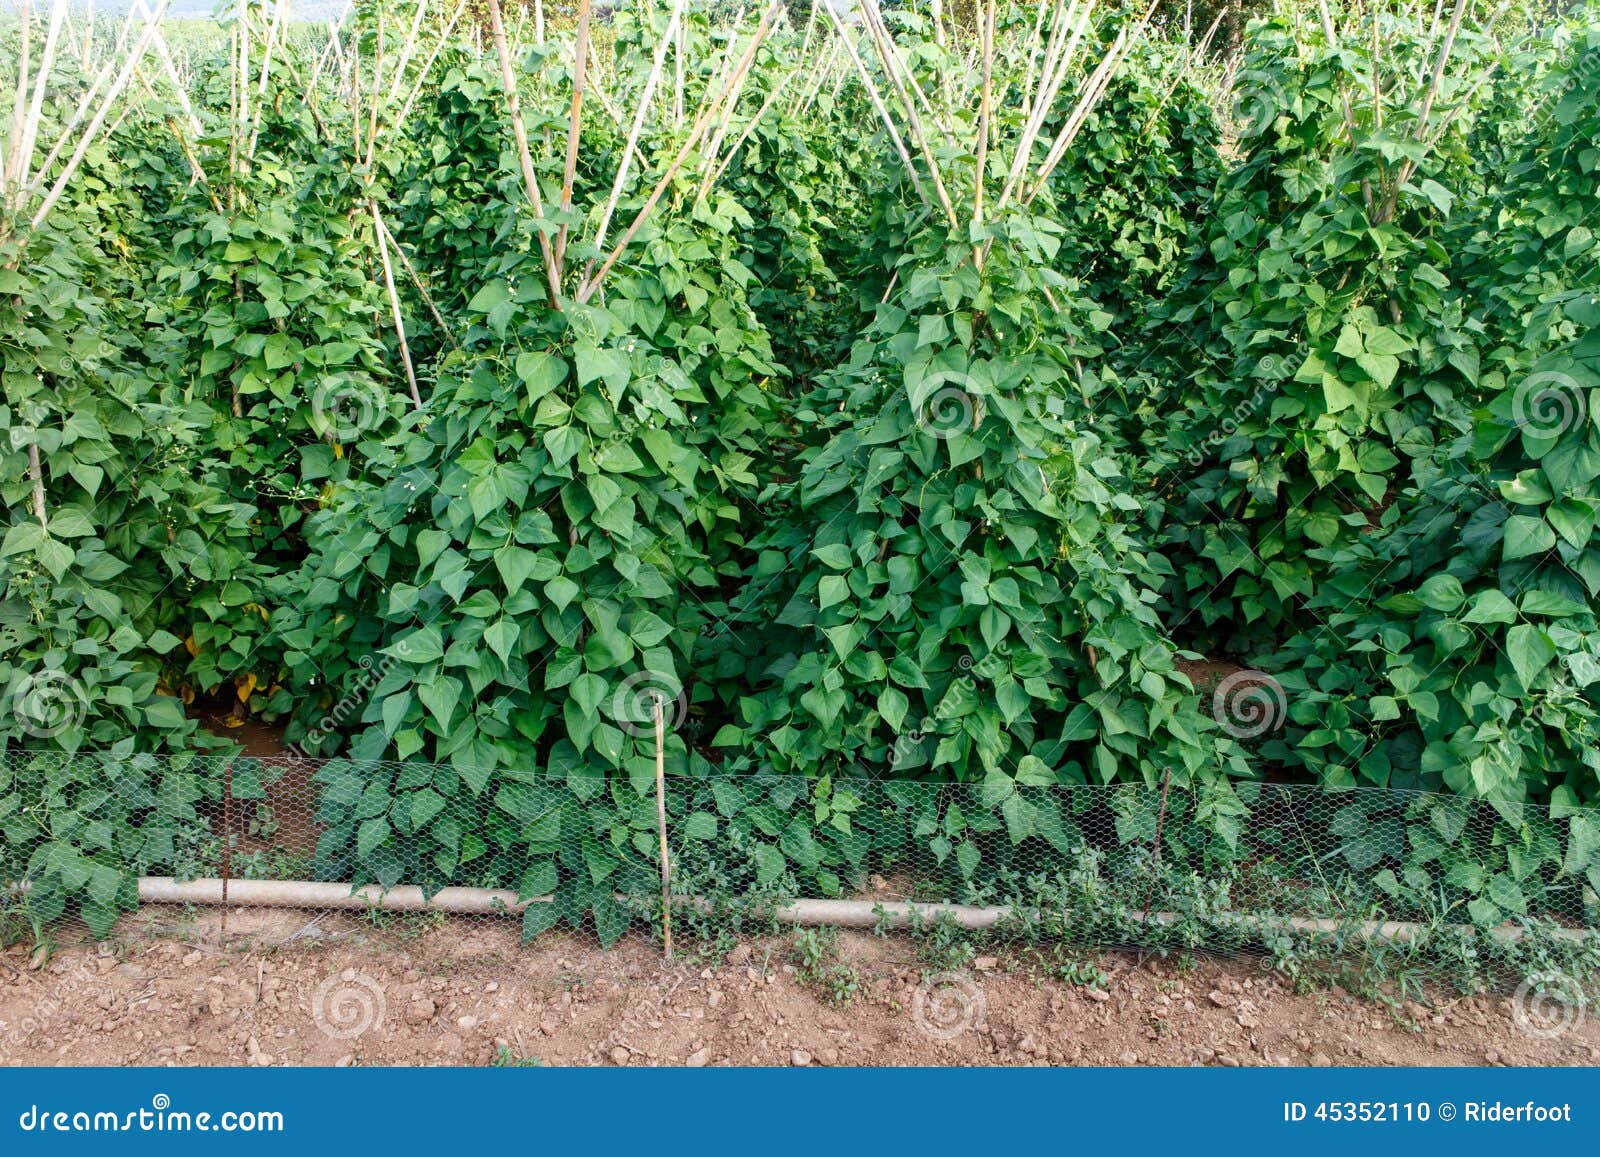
(92, 841)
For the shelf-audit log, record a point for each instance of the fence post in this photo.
(661, 826)
(227, 838)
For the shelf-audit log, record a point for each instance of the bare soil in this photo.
(296, 988)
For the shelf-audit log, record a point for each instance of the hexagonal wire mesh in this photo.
(90, 838)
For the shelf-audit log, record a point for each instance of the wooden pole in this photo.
(36, 476)
(394, 305)
(590, 286)
(661, 826)
(497, 30)
(569, 171)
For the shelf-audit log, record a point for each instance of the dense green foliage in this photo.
(1290, 367)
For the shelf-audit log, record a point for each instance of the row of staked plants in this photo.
(1028, 397)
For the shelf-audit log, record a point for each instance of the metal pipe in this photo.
(806, 913)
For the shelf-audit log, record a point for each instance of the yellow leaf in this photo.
(191, 645)
(246, 687)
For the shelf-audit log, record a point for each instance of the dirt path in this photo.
(292, 988)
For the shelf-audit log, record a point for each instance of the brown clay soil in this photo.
(295, 988)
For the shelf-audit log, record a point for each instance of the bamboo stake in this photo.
(180, 90)
(597, 84)
(709, 155)
(14, 161)
(377, 83)
(416, 280)
(1066, 31)
(713, 176)
(36, 476)
(332, 50)
(1198, 52)
(1348, 112)
(497, 31)
(394, 305)
(725, 67)
(1050, 79)
(1099, 81)
(985, 101)
(406, 51)
(266, 71)
(587, 290)
(427, 69)
(824, 74)
(1033, 52)
(878, 103)
(24, 71)
(1408, 166)
(93, 127)
(896, 64)
(677, 91)
(638, 125)
(244, 66)
(30, 128)
(914, 127)
(569, 171)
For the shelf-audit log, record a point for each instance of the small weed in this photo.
(1082, 974)
(818, 967)
(505, 1057)
(404, 925)
(1068, 965)
(944, 946)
